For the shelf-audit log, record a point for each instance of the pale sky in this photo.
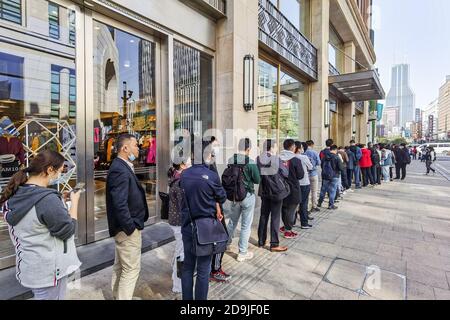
(415, 32)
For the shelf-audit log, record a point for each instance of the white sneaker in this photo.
(242, 257)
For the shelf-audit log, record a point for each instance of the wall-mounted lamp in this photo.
(249, 82)
(326, 118)
(354, 124)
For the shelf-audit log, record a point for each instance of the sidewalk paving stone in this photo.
(418, 291)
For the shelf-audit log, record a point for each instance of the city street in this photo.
(391, 242)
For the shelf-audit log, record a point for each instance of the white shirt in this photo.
(128, 163)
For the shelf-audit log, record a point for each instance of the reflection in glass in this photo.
(292, 94)
(193, 90)
(37, 101)
(124, 102)
(267, 101)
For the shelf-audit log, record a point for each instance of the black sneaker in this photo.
(332, 208)
(319, 205)
(315, 210)
(307, 227)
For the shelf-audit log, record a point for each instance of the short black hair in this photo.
(288, 143)
(352, 141)
(269, 144)
(245, 144)
(329, 142)
(310, 143)
(333, 147)
(305, 146)
(213, 139)
(122, 140)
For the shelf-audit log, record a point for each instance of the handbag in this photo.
(208, 234)
(164, 205)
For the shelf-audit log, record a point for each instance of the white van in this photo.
(439, 148)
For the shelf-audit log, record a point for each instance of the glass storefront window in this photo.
(193, 90)
(267, 101)
(37, 102)
(124, 102)
(280, 115)
(292, 102)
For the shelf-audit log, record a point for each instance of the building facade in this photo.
(430, 121)
(76, 74)
(401, 95)
(444, 110)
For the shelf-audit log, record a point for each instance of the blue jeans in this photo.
(234, 211)
(203, 270)
(330, 187)
(357, 175)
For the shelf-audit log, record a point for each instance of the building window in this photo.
(53, 20)
(72, 29)
(297, 12)
(55, 92)
(11, 10)
(281, 105)
(336, 51)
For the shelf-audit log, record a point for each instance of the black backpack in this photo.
(273, 187)
(328, 170)
(233, 182)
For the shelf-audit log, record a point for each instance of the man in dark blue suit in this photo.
(127, 211)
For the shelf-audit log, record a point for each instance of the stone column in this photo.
(237, 36)
(348, 108)
(320, 16)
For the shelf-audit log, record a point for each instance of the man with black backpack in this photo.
(239, 181)
(272, 190)
(331, 168)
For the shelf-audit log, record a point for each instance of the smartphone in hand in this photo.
(79, 187)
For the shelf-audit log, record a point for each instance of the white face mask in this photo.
(215, 151)
(57, 180)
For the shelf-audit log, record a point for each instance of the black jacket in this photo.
(296, 173)
(402, 156)
(203, 190)
(126, 203)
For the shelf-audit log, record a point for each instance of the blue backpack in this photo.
(328, 172)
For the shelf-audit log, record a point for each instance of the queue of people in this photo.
(201, 204)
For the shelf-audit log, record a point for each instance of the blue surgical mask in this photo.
(131, 157)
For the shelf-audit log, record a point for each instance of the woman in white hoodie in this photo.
(305, 184)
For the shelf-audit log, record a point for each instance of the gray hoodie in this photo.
(42, 232)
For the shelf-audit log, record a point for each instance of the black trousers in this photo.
(367, 176)
(288, 214)
(269, 209)
(345, 184)
(376, 174)
(429, 168)
(216, 264)
(306, 190)
(400, 169)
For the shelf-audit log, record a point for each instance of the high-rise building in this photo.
(444, 110)
(401, 95)
(430, 121)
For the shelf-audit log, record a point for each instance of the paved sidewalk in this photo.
(391, 242)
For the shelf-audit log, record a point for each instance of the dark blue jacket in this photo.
(126, 203)
(203, 190)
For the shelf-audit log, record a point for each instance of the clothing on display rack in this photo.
(151, 156)
(13, 153)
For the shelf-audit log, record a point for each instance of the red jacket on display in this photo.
(366, 159)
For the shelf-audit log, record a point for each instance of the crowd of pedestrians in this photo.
(293, 185)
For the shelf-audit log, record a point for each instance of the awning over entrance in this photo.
(358, 86)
